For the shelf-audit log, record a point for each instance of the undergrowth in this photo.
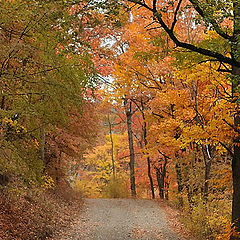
(36, 213)
(206, 220)
(115, 188)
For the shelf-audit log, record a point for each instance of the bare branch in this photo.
(150, 24)
(164, 154)
(227, 148)
(232, 126)
(154, 5)
(157, 115)
(175, 15)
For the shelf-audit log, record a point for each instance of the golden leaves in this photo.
(48, 182)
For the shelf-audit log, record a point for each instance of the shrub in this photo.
(207, 221)
(116, 188)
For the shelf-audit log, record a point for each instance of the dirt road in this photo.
(121, 219)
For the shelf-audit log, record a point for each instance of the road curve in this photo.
(121, 219)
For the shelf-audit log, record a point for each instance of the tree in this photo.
(99, 170)
(141, 105)
(129, 113)
(134, 71)
(110, 125)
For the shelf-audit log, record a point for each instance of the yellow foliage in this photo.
(48, 182)
(89, 188)
(8, 122)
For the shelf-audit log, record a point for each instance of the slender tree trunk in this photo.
(164, 175)
(160, 181)
(128, 111)
(166, 187)
(112, 148)
(148, 158)
(132, 156)
(161, 173)
(207, 166)
(150, 177)
(179, 182)
(206, 179)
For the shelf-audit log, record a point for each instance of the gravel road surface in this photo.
(121, 219)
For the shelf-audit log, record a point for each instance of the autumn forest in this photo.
(128, 99)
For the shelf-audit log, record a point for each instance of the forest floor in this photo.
(124, 219)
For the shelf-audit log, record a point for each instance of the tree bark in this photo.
(207, 168)
(160, 181)
(236, 174)
(148, 158)
(150, 177)
(161, 173)
(179, 183)
(128, 112)
(236, 183)
(236, 148)
(166, 187)
(206, 179)
(112, 148)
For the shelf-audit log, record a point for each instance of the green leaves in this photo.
(43, 77)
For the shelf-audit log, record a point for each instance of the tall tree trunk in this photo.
(150, 177)
(236, 184)
(128, 111)
(166, 187)
(206, 179)
(148, 158)
(207, 167)
(112, 148)
(179, 183)
(161, 173)
(236, 177)
(160, 181)
(236, 153)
